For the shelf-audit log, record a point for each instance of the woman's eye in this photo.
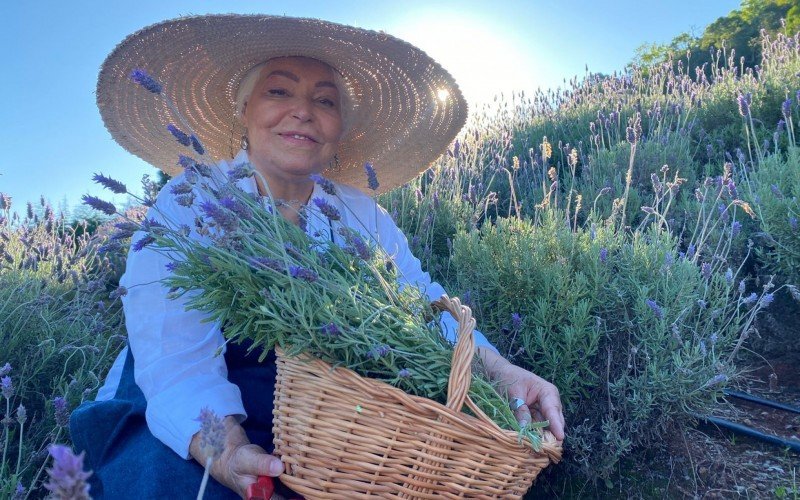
(327, 102)
(276, 92)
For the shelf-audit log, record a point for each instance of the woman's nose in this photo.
(302, 110)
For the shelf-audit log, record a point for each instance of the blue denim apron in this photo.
(129, 462)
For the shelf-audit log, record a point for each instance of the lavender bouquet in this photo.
(266, 281)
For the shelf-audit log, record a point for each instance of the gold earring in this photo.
(245, 141)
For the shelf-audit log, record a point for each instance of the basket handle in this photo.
(463, 353)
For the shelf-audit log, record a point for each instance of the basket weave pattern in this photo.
(341, 435)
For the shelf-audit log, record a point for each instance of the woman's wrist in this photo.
(235, 437)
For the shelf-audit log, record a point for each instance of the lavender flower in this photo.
(141, 77)
(98, 204)
(303, 273)
(241, 171)
(330, 330)
(717, 379)
(114, 186)
(736, 228)
(776, 190)
(237, 207)
(327, 186)
(60, 411)
(744, 104)
(179, 135)
(186, 162)
(6, 387)
(741, 287)
(786, 108)
(378, 351)
(67, 477)
(120, 291)
(5, 369)
(5, 202)
(690, 251)
(751, 299)
(19, 492)
(516, 321)
(180, 188)
(404, 373)
(185, 200)
(793, 223)
(657, 310)
(327, 209)
(705, 270)
(142, 242)
(729, 276)
(212, 433)
(225, 219)
(22, 415)
(197, 145)
(372, 177)
(603, 255)
(767, 299)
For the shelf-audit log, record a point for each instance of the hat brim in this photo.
(406, 109)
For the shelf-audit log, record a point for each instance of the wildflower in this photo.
(702, 304)
(729, 276)
(114, 186)
(793, 223)
(5, 202)
(180, 136)
(241, 171)
(237, 207)
(372, 177)
(22, 415)
(67, 477)
(120, 291)
(378, 351)
(186, 162)
(657, 186)
(6, 387)
(197, 145)
(741, 287)
(142, 242)
(404, 373)
(786, 108)
(327, 209)
(744, 104)
(690, 251)
(657, 310)
(180, 188)
(767, 299)
(5, 369)
(98, 204)
(222, 217)
(703, 349)
(303, 273)
(669, 259)
(19, 492)
(330, 330)
(731, 186)
(516, 321)
(705, 270)
(736, 228)
(327, 186)
(212, 433)
(751, 298)
(185, 200)
(141, 77)
(60, 411)
(776, 190)
(603, 255)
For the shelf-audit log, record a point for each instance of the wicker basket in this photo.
(341, 435)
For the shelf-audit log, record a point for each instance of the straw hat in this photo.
(406, 109)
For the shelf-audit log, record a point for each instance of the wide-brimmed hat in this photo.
(406, 109)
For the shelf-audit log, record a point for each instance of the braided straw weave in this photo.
(341, 435)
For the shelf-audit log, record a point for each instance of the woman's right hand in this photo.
(241, 462)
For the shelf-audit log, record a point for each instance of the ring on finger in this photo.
(516, 403)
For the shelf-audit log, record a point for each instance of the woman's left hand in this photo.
(542, 400)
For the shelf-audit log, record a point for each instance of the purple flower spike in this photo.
(6, 387)
(372, 177)
(330, 330)
(241, 171)
(110, 184)
(793, 223)
(67, 477)
(141, 77)
(179, 135)
(326, 185)
(744, 104)
(19, 492)
(197, 145)
(751, 299)
(767, 299)
(603, 255)
(516, 321)
(379, 351)
(736, 228)
(142, 242)
(98, 204)
(212, 433)
(5, 369)
(705, 270)
(404, 373)
(303, 273)
(327, 209)
(225, 219)
(657, 310)
(786, 108)
(61, 411)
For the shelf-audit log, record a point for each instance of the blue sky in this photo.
(52, 138)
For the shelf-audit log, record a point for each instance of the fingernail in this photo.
(276, 467)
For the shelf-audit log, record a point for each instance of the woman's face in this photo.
(293, 119)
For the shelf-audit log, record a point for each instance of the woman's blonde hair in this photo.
(250, 79)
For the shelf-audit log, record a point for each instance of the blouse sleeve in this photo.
(395, 243)
(178, 357)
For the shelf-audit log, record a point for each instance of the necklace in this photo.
(280, 202)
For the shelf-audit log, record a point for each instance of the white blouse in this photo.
(176, 366)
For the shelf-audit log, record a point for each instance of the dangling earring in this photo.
(245, 141)
(334, 165)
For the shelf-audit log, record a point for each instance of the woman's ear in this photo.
(242, 118)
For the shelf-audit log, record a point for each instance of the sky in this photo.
(52, 139)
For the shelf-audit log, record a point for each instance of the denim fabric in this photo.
(128, 462)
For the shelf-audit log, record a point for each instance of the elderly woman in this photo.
(301, 97)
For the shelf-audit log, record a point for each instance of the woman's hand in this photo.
(542, 401)
(241, 462)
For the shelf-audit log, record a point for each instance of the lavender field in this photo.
(632, 237)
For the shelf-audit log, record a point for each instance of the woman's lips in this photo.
(297, 138)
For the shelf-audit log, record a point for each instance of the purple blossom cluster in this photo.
(658, 311)
(327, 186)
(378, 351)
(212, 433)
(141, 77)
(303, 273)
(223, 218)
(67, 479)
(372, 177)
(328, 210)
(112, 185)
